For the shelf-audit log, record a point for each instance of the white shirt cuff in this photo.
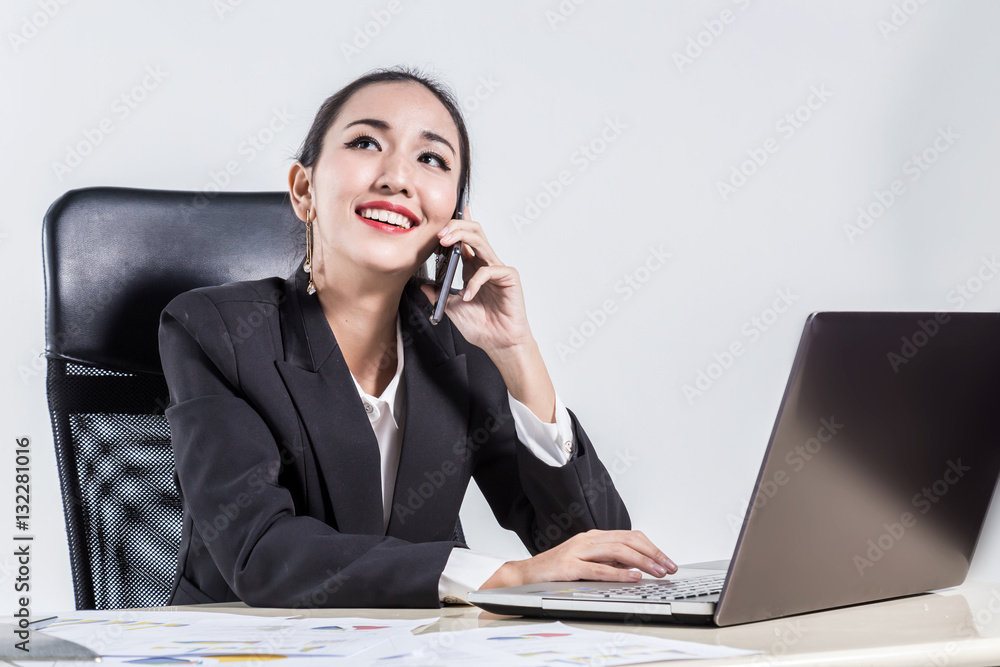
(465, 571)
(551, 443)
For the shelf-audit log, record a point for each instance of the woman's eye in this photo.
(440, 160)
(359, 141)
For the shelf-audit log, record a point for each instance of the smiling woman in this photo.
(339, 439)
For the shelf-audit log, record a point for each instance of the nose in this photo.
(396, 174)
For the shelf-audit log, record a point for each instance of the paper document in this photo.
(181, 636)
(206, 638)
(541, 645)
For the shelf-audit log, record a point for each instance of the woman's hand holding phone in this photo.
(489, 312)
(489, 309)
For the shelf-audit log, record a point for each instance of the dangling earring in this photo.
(307, 267)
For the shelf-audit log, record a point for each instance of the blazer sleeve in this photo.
(544, 505)
(228, 464)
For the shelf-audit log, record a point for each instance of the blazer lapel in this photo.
(427, 495)
(319, 383)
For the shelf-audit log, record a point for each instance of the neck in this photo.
(361, 310)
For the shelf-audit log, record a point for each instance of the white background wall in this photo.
(684, 467)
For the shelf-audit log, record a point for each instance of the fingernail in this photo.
(635, 575)
(659, 569)
(443, 231)
(466, 296)
(446, 238)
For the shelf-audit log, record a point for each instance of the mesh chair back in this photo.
(114, 258)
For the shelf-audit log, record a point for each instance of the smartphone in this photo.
(455, 252)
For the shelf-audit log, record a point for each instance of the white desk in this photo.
(960, 626)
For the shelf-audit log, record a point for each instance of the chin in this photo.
(388, 268)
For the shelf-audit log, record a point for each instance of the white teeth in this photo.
(390, 217)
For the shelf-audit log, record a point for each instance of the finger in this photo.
(502, 275)
(467, 231)
(472, 237)
(632, 548)
(461, 224)
(599, 572)
(643, 544)
(626, 555)
(638, 541)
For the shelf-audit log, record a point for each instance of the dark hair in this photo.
(312, 146)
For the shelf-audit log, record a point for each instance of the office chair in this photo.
(114, 257)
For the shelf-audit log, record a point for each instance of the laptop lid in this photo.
(880, 467)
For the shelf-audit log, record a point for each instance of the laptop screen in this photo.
(880, 468)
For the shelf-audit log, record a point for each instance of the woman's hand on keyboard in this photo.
(596, 555)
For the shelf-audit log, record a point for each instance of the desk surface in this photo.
(958, 626)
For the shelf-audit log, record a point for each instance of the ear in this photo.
(300, 189)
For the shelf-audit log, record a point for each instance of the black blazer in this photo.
(278, 465)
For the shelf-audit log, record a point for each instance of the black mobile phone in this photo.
(454, 253)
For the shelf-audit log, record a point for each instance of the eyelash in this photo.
(440, 158)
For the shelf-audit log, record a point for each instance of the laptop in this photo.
(875, 484)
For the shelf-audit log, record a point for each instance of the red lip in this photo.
(395, 208)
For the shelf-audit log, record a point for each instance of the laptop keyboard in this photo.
(662, 590)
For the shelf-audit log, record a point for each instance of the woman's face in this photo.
(394, 149)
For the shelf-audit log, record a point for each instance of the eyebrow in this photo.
(427, 135)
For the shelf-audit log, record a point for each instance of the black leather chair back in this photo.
(114, 257)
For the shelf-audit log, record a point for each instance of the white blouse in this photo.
(466, 570)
